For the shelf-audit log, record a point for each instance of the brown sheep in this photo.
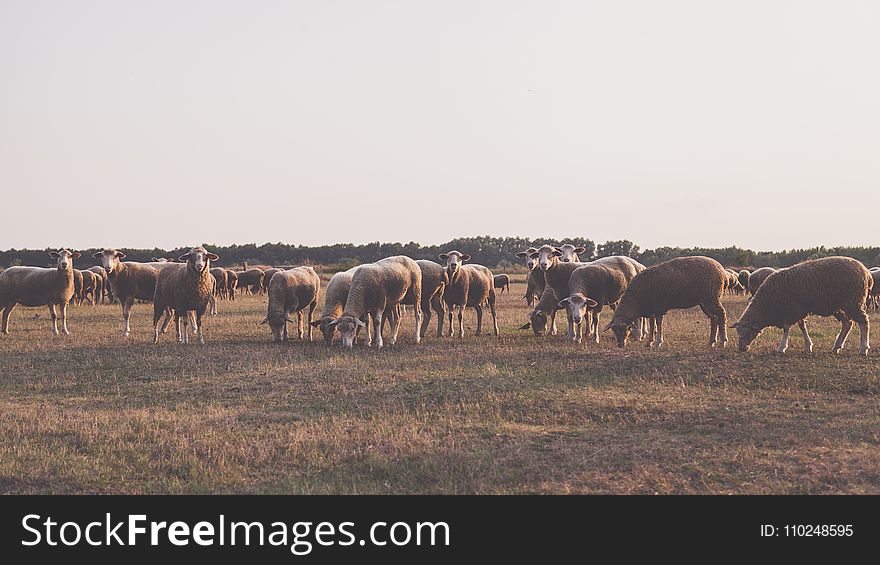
(105, 285)
(221, 278)
(592, 287)
(131, 281)
(679, 283)
(291, 291)
(185, 288)
(335, 296)
(77, 287)
(267, 278)
(757, 278)
(831, 286)
(469, 286)
(535, 279)
(502, 281)
(231, 284)
(37, 286)
(251, 281)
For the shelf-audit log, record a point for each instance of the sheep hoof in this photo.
(863, 352)
(808, 349)
(65, 332)
(836, 349)
(659, 344)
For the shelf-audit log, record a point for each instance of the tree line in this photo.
(494, 252)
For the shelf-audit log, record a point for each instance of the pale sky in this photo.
(166, 123)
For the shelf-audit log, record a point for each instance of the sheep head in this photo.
(326, 328)
(65, 258)
(276, 321)
(110, 259)
(570, 253)
(199, 259)
(527, 255)
(577, 305)
(538, 320)
(621, 330)
(347, 326)
(547, 256)
(454, 260)
(747, 334)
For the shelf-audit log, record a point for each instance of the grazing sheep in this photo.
(502, 281)
(556, 275)
(434, 279)
(251, 281)
(540, 315)
(77, 287)
(757, 278)
(675, 284)
(267, 278)
(468, 286)
(535, 279)
(875, 290)
(89, 289)
(184, 288)
(377, 289)
(231, 284)
(831, 286)
(335, 296)
(290, 291)
(629, 268)
(733, 286)
(38, 286)
(222, 279)
(743, 278)
(105, 285)
(592, 287)
(131, 281)
(569, 253)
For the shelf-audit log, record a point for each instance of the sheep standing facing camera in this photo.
(592, 287)
(469, 286)
(185, 287)
(535, 279)
(38, 286)
(831, 286)
(131, 281)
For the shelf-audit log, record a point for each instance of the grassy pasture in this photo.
(94, 412)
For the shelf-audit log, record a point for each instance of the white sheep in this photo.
(131, 281)
(38, 286)
(469, 286)
(184, 288)
(291, 291)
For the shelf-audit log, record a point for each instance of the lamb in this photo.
(570, 253)
(468, 286)
(503, 282)
(251, 280)
(184, 288)
(831, 286)
(231, 284)
(535, 280)
(131, 281)
(290, 291)
(592, 287)
(105, 285)
(38, 286)
(222, 280)
(335, 296)
(679, 283)
(757, 278)
(267, 278)
(377, 289)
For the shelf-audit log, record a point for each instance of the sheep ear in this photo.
(580, 249)
(76, 255)
(522, 254)
(154, 259)
(120, 255)
(360, 323)
(733, 325)
(533, 255)
(333, 323)
(465, 257)
(443, 256)
(557, 253)
(607, 327)
(97, 255)
(315, 324)
(265, 321)
(526, 326)
(183, 258)
(53, 254)
(591, 303)
(563, 302)
(213, 257)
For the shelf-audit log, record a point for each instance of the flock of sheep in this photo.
(368, 296)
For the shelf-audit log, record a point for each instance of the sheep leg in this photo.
(553, 330)
(479, 310)
(213, 302)
(6, 312)
(63, 308)
(863, 332)
(845, 326)
(299, 325)
(808, 343)
(167, 320)
(595, 328)
(460, 320)
(157, 315)
(377, 329)
(126, 314)
(54, 318)
(451, 326)
(426, 320)
(177, 327)
(184, 329)
(494, 318)
(311, 309)
(200, 326)
(396, 320)
(418, 314)
(783, 345)
(659, 343)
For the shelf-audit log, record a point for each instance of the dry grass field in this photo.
(98, 413)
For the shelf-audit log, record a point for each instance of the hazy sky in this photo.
(165, 123)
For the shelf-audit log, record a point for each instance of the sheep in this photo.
(267, 278)
(570, 253)
(231, 284)
(502, 281)
(830, 286)
(77, 287)
(540, 315)
(184, 288)
(733, 286)
(131, 281)
(89, 290)
(434, 281)
(591, 287)
(556, 275)
(679, 283)
(468, 286)
(377, 289)
(38, 286)
(535, 279)
(875, 290)
(105, 285)
(757, 278)
(251, 280)
(290, 291)
(221, 279)
(743, 278)
(335, 296)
